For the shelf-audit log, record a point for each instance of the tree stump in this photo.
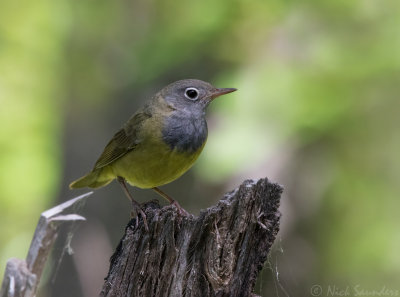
(218, 253)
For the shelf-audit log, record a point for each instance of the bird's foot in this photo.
(135, 205)
(137, 208)
(181, 210)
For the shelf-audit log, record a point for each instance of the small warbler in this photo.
(159, 143)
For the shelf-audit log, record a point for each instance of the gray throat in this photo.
(185, 132)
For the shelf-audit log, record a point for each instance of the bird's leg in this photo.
(181, 210)
(136, 206)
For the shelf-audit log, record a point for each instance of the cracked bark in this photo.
(218, 253)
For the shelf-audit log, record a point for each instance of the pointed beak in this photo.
(223, 91)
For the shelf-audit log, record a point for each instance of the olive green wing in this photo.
(122, 142)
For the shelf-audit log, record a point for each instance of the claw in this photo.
(172, 201)
(135, 205)
(139, 211)
(181, 210)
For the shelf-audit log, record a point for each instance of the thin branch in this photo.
(22, 277)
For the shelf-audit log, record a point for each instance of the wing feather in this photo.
(123, 141)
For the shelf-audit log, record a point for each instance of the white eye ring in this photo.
(192, 93)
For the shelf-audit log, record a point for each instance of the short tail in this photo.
(93, 179)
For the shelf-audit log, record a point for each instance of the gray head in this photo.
(186, 128)
(191, 95)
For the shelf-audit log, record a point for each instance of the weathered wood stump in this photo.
(22, 277)
(218, 253)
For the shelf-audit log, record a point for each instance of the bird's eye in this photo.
(192, 93)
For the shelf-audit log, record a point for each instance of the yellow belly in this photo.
(153, 164)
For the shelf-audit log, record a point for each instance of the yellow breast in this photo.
(153, 163)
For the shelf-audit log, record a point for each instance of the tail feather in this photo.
(93, 179)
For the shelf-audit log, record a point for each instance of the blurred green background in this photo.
(317, 111)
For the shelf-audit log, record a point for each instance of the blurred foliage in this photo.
(317, 110)
(31, 123)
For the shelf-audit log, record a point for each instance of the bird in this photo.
(159, 143)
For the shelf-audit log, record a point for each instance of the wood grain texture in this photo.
(218, 253)
(22, 277)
